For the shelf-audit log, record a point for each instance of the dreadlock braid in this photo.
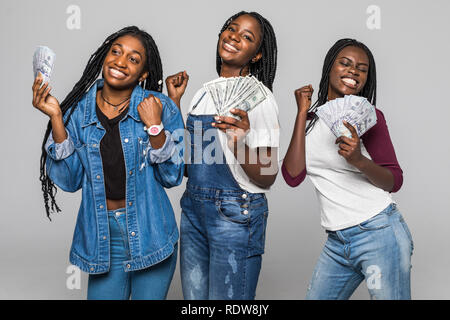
(370, 88)
(265, 68)
(91, 72)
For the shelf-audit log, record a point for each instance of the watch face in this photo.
(154, 130)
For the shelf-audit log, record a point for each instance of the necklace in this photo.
(115, 106)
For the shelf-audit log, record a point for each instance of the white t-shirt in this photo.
(264, 132)
(346, 196)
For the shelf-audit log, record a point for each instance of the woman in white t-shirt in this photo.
(224, 207)
(353, 177)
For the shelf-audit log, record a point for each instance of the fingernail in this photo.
(213, 124)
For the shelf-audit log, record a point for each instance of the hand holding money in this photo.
(43, 100)
(235, 129)
(350, 148)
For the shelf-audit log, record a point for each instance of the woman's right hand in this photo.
(303, 98)
(176, 85)
(43, 100)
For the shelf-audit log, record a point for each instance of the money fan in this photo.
(356, 110)
(243, 93)
(43, 61)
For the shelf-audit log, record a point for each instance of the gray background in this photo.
(411, 51)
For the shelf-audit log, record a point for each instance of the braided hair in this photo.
(265, 68)
(90, 74)
(370, 88)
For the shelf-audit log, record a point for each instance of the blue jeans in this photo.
(222, 231)
(221, 248)
(151, 283)
(378, 250)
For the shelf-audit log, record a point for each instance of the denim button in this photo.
(245, 212)
(126, 140)
(244, 196)
(98, 177)
(130, 203)
(128, 266)
(101, 206)
(92, 269)
(104, 237)
(133, 233)
(131, 172)
(94, 145)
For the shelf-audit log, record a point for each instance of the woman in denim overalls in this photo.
(224, 207)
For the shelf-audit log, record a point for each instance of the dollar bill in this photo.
(43, 62)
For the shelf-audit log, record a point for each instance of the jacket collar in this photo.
(90, 115)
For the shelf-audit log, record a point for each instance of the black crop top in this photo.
(112, 156)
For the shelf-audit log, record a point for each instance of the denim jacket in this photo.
(76, 163)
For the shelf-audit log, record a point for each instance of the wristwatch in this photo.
(154, 130)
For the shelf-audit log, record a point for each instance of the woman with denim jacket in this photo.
(233, 164)
(353, 177)
(116, 139)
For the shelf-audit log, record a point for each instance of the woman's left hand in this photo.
(150, 110)
(236, 130)
(350, 148)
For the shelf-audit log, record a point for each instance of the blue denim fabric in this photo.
(151, 224)
(151, 283)
(222, 230)
(378, 250)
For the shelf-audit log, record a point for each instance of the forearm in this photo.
(260, 168)
(158, 141)
(294, 160)
(377, 175)
(58, 129)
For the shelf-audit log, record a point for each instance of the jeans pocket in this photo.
(407, 231)
(378, 222)
(258, 227)
(232, 211)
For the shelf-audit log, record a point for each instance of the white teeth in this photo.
(117, 72)
(349, 81)
(230, 47)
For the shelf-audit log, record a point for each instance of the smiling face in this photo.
(124, 64)
(239, 42)
(349, 73)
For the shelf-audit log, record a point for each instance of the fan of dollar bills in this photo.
(43, 61)
(243, 93)
(356, 110)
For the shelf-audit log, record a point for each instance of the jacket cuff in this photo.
(59, 151)
(162, 154)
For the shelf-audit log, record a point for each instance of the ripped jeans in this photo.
(222, 240)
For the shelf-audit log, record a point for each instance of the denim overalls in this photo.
(222, 226)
